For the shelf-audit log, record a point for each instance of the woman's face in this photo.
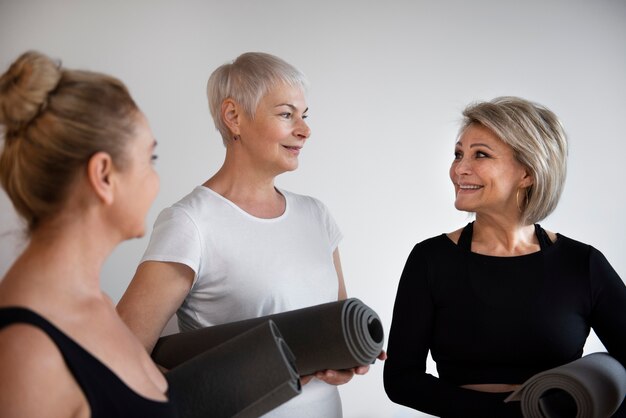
(139, 183)
(272, 140)
(485, 174)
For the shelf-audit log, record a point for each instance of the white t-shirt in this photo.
(247, 267)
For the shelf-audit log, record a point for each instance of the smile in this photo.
(293, 149)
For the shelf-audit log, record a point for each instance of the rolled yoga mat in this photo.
(336, 335)
(591, 387)
(244, 377)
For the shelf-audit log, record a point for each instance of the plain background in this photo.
(389, 80)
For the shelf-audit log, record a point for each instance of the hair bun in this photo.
(24, 88)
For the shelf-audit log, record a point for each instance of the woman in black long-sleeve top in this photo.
(500, 299)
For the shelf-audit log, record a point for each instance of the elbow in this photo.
(393, 385)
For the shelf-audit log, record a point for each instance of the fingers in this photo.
(306, 379)
(335, 377)
(340, 377)
(361, 370)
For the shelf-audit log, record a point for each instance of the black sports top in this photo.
(107, 394)
(489, 319)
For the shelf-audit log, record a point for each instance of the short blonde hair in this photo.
(54, 120)
(539, 143)
(246, 80)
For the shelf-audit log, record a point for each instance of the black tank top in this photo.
(107, 394)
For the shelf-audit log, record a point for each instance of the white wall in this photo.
(389, 80)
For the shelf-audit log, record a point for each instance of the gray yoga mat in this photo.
(244, 377)
(591, 387)
(336, 335)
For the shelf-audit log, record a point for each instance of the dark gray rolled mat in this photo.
(335, 335)
(596, 384)
(244, 377)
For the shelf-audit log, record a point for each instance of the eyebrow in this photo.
(291, 106)
(478, 144)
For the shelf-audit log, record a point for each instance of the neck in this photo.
(251, 189)
(503, 236)
(62, 261)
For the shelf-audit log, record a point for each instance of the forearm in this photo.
(426, 393)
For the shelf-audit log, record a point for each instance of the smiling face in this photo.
(486, 175)
(272, 140)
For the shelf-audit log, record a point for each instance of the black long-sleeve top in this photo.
(489, 319)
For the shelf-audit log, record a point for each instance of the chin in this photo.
(290, 167)
(137, 234)
(463, 208)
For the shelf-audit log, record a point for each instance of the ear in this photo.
(527, 180)
(99, 173)
(231, 115)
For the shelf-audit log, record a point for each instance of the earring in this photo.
(526, 197)
(236, 137)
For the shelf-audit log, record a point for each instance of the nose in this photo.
(461, 166)
(302, 130)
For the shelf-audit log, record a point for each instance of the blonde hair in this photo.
(246, 80)
(54, 120)
(539, 143)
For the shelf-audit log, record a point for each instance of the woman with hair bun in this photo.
(501, 299)
(77, 165)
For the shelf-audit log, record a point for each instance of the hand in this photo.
(364, 369)
(336, 377)
(340, 377)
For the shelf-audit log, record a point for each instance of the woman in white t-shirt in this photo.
(237, 247)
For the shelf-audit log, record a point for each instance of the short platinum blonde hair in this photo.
(539, 143)
(246, 80)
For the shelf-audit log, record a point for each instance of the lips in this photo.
(293, 149)
(469, 186)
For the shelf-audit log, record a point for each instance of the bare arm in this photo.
(153, 296)
(343, 294)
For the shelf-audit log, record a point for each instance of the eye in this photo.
(153, 158)
(480, 154)
(458, 155)
(286, 115)
(305, 116)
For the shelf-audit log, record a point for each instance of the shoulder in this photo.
(188, 210)
(578, 255)
(455, 235)
(197, 200)
(301, 198)
(302, 202)
(433, 248)
(34, 371)
(571, 246)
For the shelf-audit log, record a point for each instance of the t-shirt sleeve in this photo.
(332, 229)
(405, 378)
(175, 238)
(608, 317)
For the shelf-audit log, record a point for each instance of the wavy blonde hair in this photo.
(539, 143)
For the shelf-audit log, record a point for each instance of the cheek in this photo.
(155, 181)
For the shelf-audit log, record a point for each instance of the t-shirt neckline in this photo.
(247, 214)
